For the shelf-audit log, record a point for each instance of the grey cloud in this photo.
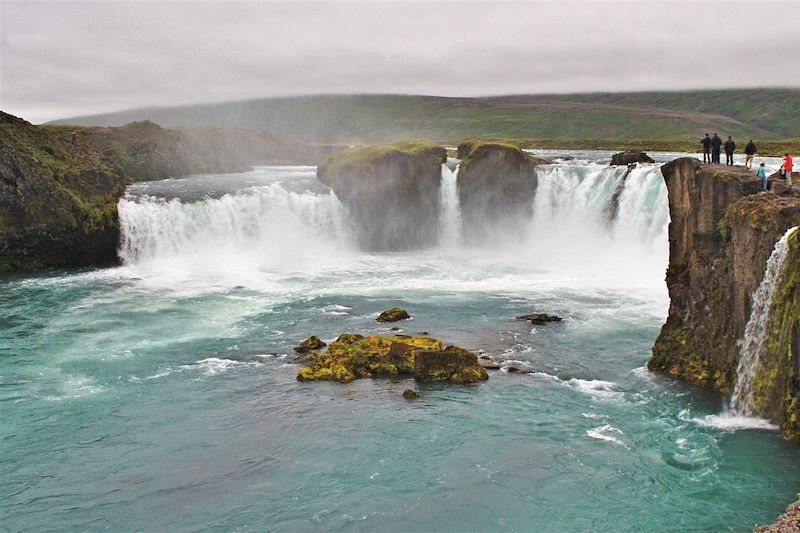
(66, 58)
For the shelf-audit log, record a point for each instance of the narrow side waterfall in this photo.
(755, 332)
(450, 209)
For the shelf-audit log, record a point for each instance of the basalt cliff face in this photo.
(722, 231)
(496, 186)
(390, 191)
(58, 197)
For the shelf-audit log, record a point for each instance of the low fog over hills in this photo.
(760, 113)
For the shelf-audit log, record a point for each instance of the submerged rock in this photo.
(629, 157)
(394, 314)
(310, 344)
(540, 318)
(354, 356)
(410, 394)
(390, 191)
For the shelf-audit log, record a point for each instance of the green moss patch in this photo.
(354, 356)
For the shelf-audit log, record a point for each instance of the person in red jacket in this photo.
(786, 169)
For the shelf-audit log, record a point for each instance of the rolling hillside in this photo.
(765, 114)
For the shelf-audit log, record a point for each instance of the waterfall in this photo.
(607, 220)
(263, 225)
(755, 331)
(283, 217)
(449, 209)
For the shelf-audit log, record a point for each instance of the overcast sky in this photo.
(65, 58)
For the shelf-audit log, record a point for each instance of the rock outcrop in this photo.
(394, 314)
(390, 191)
(496, 187)
(354, 356)
(310, 344)
(540, 318)
(629, 157)
(722, 230)
(58, 198)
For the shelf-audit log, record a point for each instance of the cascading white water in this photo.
(450, 209)
(609, 220)
(755, 332)
(265, 225)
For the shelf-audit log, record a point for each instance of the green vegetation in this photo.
(612, 121)
(362, 160)
(354, 356)
(776, 382)
(673, 354)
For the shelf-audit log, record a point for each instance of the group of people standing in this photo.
(711, 153)
(712, 146)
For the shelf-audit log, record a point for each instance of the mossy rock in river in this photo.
(496, 187)
(393, 315)
(451, 364)
(391, 192)
(354, 356)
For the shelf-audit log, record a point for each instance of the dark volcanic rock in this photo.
(721, 233)
(452, 364)
(310, 344)
(540, 318)
(391, 192)
(631, 156)
(394, 314)
(496, 186)
(410, 394)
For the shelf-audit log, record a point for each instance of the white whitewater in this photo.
(588, 218)
(755, 332)
(264, 225)
(449, 209)
(614, 220)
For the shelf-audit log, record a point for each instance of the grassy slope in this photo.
(765, 114)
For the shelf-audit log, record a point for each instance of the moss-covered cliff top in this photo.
(475, 149)
(361, 160)
(764, 211)
(49, 148)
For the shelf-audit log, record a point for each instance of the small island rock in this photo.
(393, 315)
(354, 356)
(540, 318)
(310, 344)
(410, 394)
(631, 156)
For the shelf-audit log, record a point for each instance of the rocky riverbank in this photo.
(58, 197)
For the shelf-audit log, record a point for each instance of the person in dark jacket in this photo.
(749, 151)
(730, 146)
(716, 142)
(706, 142)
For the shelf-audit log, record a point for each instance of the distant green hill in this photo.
(759, 113)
